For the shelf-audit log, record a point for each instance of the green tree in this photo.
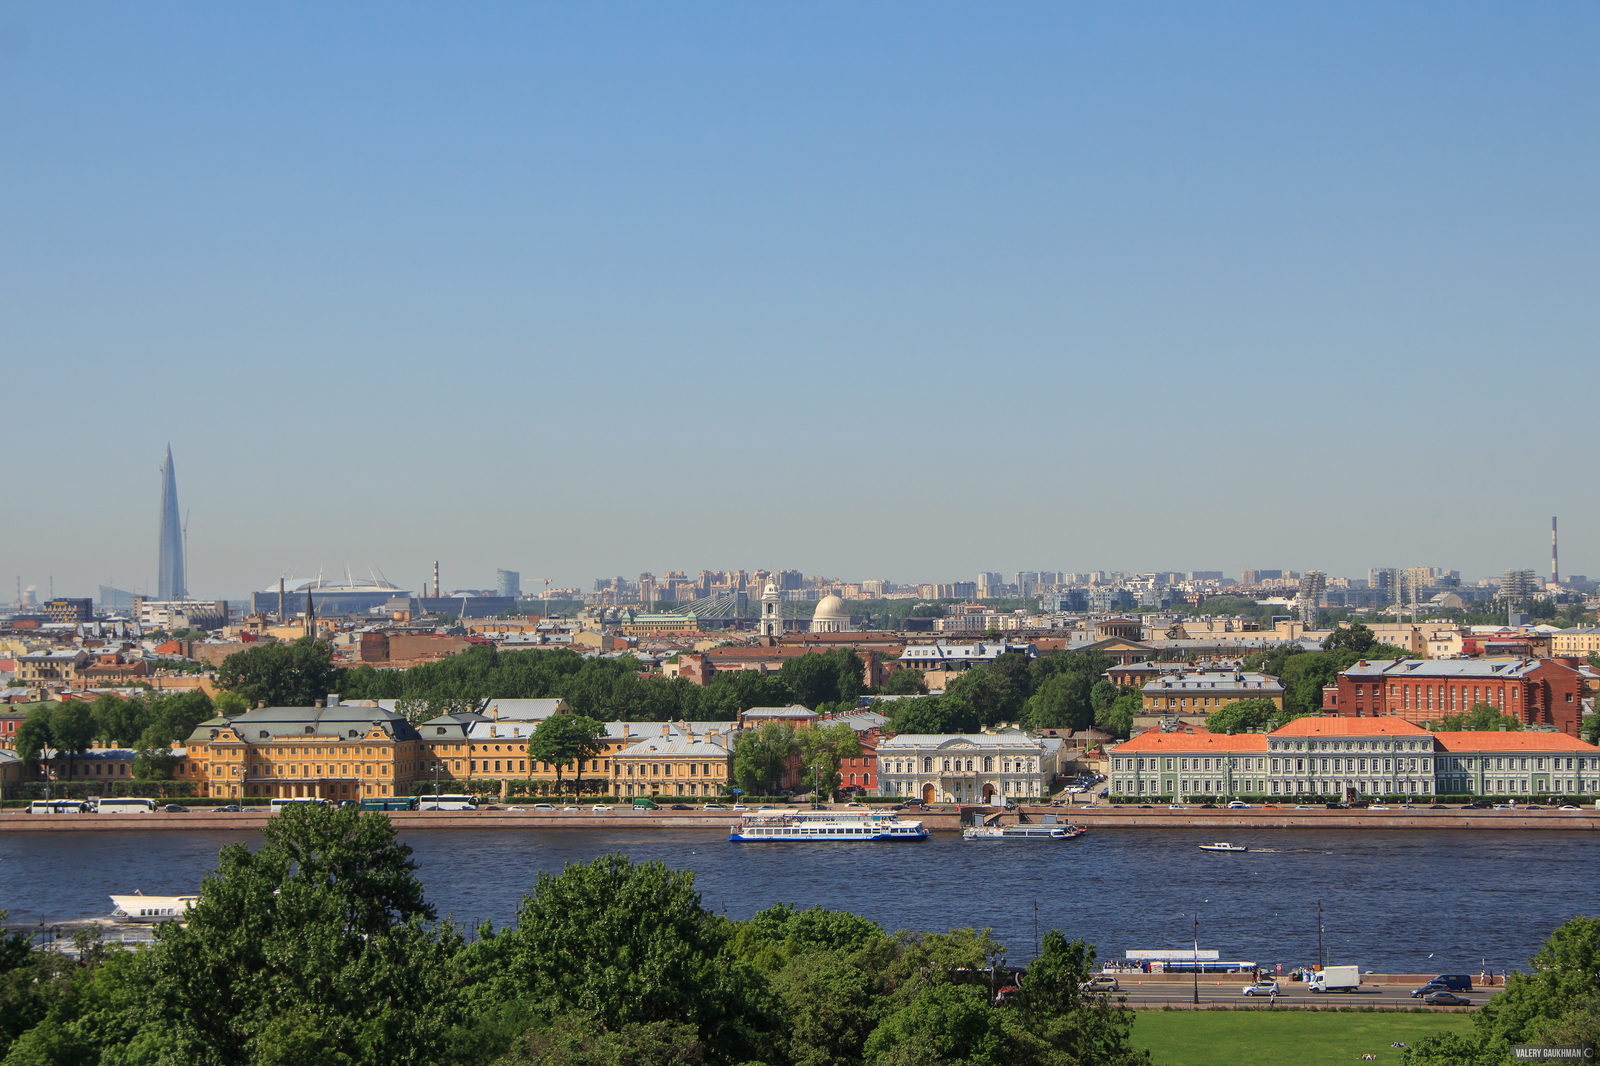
(1118, 718)
(907, 682)
(34, 736)
(72, 729)
(1480, 716)
(229, 705)
(992, 695)
(1244, 716)
(567, 738)
(824, 677)
(1356, 637)
(293, 674)
(761, 756)
(1103, 695)
(823, 749)
(623, 943)
(943, 1024)
(933, 714)
(1064, 701)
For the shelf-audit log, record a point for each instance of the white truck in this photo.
(1336, 979)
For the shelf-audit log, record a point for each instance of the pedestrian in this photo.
(1272, 1000)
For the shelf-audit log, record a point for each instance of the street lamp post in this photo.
(1196, 958)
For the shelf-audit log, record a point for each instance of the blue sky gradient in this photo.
(894, 290)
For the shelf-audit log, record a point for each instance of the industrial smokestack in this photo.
(436, 579)
(1555, 569)
(281, 604)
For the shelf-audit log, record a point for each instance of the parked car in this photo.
(713, 807)
(1377, 807)
(1568, 807)
(1335, 807)
(1208, 806)
(1477, 805)
(1446, 999)
(231, 808)
(600, 808)
(679, 807)
(1237, 805)
(1264, 987)
(544, 806)
(1103, 983)
(174, 808)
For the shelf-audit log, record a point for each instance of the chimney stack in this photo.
(436, 579)
(1555, 570)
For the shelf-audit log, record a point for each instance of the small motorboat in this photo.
(1223, 845)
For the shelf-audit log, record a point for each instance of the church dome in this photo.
(770, 590)
(831, 608)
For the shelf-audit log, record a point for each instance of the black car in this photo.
(175, 809)
(1208, 806)
(1429, 989)
(1146, 807)
(1335, 807)
(1477, 805)
(680, 807)
(1446, 999)
(1438, 807)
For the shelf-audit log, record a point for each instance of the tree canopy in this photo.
(293, 674)
(567, 740)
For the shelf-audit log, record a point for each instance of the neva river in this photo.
(1390, 899)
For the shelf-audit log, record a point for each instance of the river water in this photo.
(1392, 901)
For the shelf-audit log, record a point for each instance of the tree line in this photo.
(319, 947)
(148, 724)
(1057, 690)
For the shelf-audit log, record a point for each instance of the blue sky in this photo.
(892, 290)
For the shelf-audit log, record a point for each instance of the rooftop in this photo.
(1511, 740)
(1313, 726)
(1154, 740)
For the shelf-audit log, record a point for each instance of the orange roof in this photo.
(1494, 740)
(1321, 727)
(1155, 741)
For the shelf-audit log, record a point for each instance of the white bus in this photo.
(127, 805)
(58, 807)
(447, 803)
(290, 801)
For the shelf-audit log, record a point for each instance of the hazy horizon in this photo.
(894, 291)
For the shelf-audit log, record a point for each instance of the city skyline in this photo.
(902, 291)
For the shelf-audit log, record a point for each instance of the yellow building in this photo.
(333, 753)
(1207, 691)
(679, 762)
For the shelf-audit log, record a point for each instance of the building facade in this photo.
(1351, 758)
(1538, 692)
(967, 768)
(1207, 691)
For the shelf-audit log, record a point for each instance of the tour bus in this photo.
(126, 805)
(290, 801)
(391, 803)
(447, 803)
(58, 807)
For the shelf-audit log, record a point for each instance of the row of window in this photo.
(1349, 745)
(1010, 766)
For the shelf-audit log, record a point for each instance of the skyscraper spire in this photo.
(172, 584)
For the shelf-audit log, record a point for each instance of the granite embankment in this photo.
(1100, 818)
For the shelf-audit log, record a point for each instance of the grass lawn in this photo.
(1304, 1038)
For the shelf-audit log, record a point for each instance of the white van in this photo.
(126, 805)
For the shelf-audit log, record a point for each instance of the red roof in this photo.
(1494, 739)
(1316, 727)
(1154, 741)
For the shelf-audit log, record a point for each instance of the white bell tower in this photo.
(771, 612)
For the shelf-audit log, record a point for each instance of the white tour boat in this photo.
(823, 826)
(1030, 831)
(141, 908)
(1223, 845)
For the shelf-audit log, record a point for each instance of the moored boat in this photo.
(1223, 845)
(141, 908)
(1022, 832)
(807, 827)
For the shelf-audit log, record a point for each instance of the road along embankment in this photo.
(1098, 819)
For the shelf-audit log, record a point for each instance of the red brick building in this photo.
(1534, 691)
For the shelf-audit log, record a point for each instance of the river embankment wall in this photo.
(15, 821)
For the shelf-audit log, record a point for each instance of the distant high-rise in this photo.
(171, 583)
(508, 583)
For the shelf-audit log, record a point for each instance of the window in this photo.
(927, 765)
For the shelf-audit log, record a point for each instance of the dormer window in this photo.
(440, 730)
